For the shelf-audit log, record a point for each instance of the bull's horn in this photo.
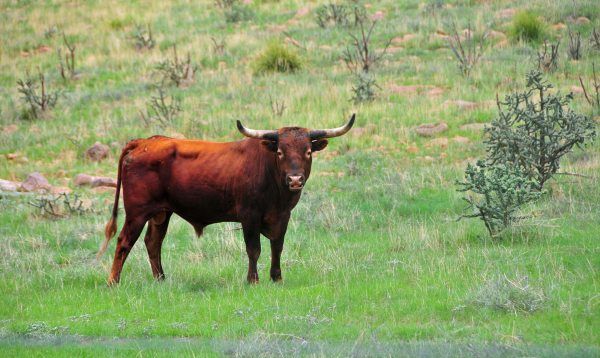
(257, 133)
(333, 132)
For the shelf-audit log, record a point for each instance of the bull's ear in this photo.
(270, 145)
(319, 144)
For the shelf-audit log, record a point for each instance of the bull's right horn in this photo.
(257, 133)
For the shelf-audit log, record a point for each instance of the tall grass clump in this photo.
(514, 295)
(277, 58)
(526, 26)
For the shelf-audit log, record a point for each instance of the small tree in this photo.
(495, 194)
(548, 60)
(39, 102)
(535, 129)
(161, 109)
(67, 66)
(181, 73)
(360, 56)
(592, 95)
(468, 51)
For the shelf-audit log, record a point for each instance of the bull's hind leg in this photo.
(252, 240)
(129, 234)
(157, 229)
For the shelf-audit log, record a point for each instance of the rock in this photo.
(85, 179)
(97, 152)
(10, 129)
(436, 91)
(405, 89)
(460, 104)
(431, 129)
(582, 20)
(460, 140)
(506, 13)
(577, 89)
(496, 35)
(402, 39)
(17, 157)
(60, 190)
(412, 149)
(303, 11)
(104, 181)
(559, 26)
(378, 15)
(441, 142)
(7, 185)
(473, 127)
(35, 182)
(43, 49)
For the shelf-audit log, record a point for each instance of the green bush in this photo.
(277, 58)
(238, 13)
(364, 88)
(512, 295)
(495, 194)
(536, 128)
(527, 26)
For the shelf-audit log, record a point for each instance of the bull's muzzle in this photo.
(295, 182)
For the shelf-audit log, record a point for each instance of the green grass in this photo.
(374, 260)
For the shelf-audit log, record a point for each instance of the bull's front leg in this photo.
(277, 235)
(252, 240)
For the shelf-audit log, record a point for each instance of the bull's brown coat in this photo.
(255, 182)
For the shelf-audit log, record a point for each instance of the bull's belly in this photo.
(202, 208)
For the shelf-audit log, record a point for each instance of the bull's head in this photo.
(294, 147)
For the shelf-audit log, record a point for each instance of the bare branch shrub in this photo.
(360, 56)
(593, 98)
(142, 37)
(595, 39)
(277, 107)
(510, 295)
(60, 206)
(181, 73)
(67, 65)
(574, 45)
(161, 109)
(468, 51)
(548, 61)
(39, 103)
(218, 46)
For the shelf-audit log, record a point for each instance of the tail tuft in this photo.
(109, 231)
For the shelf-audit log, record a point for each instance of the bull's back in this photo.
(192, 178)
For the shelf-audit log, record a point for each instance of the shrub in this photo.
(67, 66)
(277, 58)
(510, 295)
(142, 37)
(340, 14)
(536, 129)
(495, 194)
(360, 56)
(161, 109)
(180, 73)
(364, 87)
(467, 52)
(237, 13)
(548, 61)
(39, 102)
(526, 26)
(592, 95)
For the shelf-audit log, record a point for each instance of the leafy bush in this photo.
(536, 129)
(496, 192)
(142, 37)
(238, 13)
(277, 58)
(161, 109)
(340, 14)
(526, 26)
(364, 87)
(510, 295)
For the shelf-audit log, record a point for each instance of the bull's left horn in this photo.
(333, 132)
(257, 133)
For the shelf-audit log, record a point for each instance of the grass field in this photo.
(375, 261)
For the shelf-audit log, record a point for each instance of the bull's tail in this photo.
(111, 227)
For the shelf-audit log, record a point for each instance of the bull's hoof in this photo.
(112, 282)
(160, 277)
(252, 279)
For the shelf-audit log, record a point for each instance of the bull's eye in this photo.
(279, 154)
(308, 153)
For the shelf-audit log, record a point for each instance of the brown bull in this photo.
(256, 182)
